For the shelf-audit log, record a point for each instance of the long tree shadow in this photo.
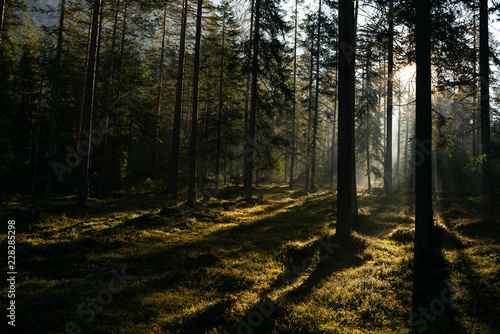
(311, 264)
(432, 305)
(187, 264)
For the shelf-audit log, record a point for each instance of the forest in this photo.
(250, 166)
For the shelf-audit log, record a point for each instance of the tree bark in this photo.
(484, 58)
(53, 109)
(309, 116)
(294, 101)
(83, 189)
(423, 148)
(248, 163)
(160, 91)
(2, 14)
(221, 104)
(398, 152)
(346, 119)
(388, 186)
(316, 107)
(174, 158)
(194, 116)
(109, 89)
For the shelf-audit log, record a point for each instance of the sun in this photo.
(406, 74)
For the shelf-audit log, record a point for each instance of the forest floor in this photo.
(270, 266)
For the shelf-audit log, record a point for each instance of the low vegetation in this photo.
(270, 266)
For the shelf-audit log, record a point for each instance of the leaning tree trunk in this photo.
(388, 186)
(489, 213)
(423, 142)
(346, 119)
(194, 116)
(83, 189)
(174, 157)
(249, 144)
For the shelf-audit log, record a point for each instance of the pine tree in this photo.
(83, 185)
(489, 213)
(423, 139)
(346, 119)
(194, 118)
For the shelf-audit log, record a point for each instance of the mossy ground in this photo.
(218, 270)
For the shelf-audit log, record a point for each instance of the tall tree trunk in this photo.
(79, 115)
(316, 110)
(484, 58)
(97, 66)
(248, 163)
(366, 81)
(36, 137)
(294, 101)
(221, 104)
(388, 186)
(368, 167)
(354, 197)
(248, 78)
(2, 14)
(160, 90)
(423, 148)
(475, 137)
(405, 166)
(398, 175)
(346, 119)
(53, 109)
(309, 116)
(122, 49)
(109, 89)
(87, 109)
(194, 118)
(332, 166)
(174, 158)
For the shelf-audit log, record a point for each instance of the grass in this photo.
(238, 267)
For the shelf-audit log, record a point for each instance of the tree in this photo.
(294, 101)
(369, 139)
(346, 119)
(2, 13)
(83, 189)
(388, 186)
(489, 213)
(160, 90)
(250, 138)
(55, 94)
(316, 109)
(194, 117)
(423, 138)
(174, 156)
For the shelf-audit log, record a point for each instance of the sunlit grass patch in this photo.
(205, 273)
